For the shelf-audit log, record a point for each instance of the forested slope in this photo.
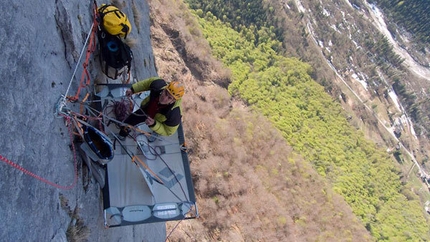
(412, 15)
(282, 89)
(336, 33)
(231, 149)
(245, 175)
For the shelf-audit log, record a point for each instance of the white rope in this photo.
(79, 61)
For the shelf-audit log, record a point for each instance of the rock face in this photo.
(41, 44)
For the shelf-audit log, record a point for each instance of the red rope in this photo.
(27, 172)
(85, 76)
(84, 82)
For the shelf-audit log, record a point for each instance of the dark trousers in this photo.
(133, 119)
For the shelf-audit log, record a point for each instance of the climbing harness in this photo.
(81, 124)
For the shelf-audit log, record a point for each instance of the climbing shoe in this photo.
(123, 133)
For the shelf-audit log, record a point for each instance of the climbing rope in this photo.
(27, 172)
(175, 227)
(157, 154)
(116, 121)
(85, 76)
(121, 109)
(134, 158)
(61, 109)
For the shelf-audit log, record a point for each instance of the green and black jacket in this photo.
(167, 119)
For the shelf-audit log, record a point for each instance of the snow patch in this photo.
(300, 6)
(394, 98)
(335, 28)
(362, 82)
(412, 130)
(406, 122)
(325, 12)
(379, 22)
(347, 2)
(355, 43)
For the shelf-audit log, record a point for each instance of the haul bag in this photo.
(115, 55)
(99, 143)
(113, 21)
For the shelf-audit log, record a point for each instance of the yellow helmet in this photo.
(176, 89)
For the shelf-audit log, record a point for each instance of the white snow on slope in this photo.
(379, 22)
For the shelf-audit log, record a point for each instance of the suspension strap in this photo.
(85, 76)
(134, 158)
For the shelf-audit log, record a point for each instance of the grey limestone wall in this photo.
(40, 46)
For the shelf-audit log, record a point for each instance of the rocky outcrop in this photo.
(41, 44)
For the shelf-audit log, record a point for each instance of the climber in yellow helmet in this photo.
(161, 110)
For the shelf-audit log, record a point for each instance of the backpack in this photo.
(113, 21)
(115, 55)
